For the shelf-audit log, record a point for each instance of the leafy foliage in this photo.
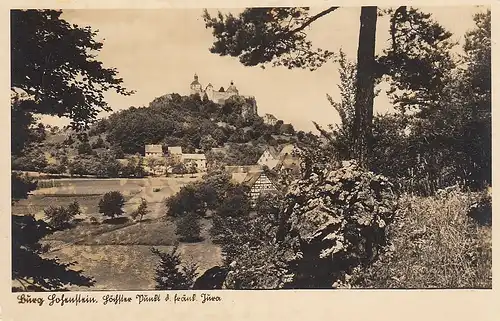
(60, 217)
(336, 221)
(171, 274)
(200, 196)
(21, 186)
(188, 228)
(111, 204)
(261, 35)
(30, 269)
(54, 63)
(255, 259)
(141, 211)
(443, 143)
(174, 120)
(34, 161)
(418, 60)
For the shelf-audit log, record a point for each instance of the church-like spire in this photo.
(232, 88)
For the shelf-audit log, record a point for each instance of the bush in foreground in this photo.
(336, 220)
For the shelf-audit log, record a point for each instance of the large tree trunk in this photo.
(365, 84)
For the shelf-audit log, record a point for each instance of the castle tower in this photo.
(232, 89)
(196, 86)
(210, 91)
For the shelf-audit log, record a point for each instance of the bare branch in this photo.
(311, 20)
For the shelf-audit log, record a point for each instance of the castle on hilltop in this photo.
(220, 96)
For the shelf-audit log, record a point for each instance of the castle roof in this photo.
(232, 88)
(195, 81)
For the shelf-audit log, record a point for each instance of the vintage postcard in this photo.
(178, 159)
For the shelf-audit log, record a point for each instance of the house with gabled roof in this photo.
(153, 150)
(256, 180)
(259, 184)
(269, 158)
(289, 161)
(175, 150)
(200, 161)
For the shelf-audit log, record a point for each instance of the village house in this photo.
(289, 160)
(269, 158)
(254, 177)
(153, 151)
(239, 172)
(200, 161)
(259, 184)
(269, 119)
(174, 154)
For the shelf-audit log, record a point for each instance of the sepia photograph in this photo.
(253, 148)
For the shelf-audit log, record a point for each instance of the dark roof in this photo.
(251, 178)
(243, 168)
(232, 88)
(195, 81)
(273, 151)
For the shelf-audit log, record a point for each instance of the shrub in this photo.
(52, 169)
(171, 274)
(254, 258)
(188, 228)
(337, 219)
(111, 204)
(94, 220)
(141, 210)
(84, 148)
(74, 209)
(60, 217)
(179, 169)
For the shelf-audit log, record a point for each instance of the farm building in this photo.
(153, 151)
(269, 158)
(259, 183)
(253, 177)
(199, 159)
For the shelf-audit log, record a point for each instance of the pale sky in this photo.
(158, 51)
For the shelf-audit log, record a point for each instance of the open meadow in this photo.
(117, 253)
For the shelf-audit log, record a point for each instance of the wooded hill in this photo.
(189, 122)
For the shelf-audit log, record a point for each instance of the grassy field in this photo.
(130, 267)
(436, 244)
(121, 259)
(117, 254)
